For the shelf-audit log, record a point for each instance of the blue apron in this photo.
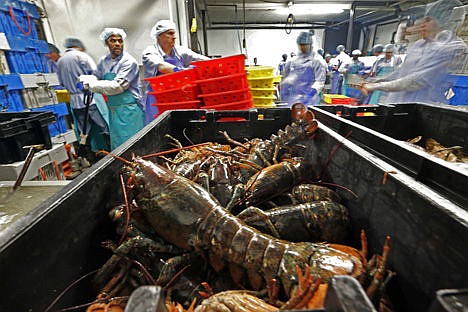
(125, 115)
(150, 110)
(375, 95)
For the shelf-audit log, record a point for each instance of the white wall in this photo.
(86, 19)
(266, 45)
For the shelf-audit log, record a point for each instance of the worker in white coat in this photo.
(163, 57)
(423, 76)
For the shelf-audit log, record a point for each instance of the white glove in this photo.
(87, 79)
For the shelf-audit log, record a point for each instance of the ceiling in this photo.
(260, 14)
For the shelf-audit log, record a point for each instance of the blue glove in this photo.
(177, 69)
(312, 92)
(80, 86)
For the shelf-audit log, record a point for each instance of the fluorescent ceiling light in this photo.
(313, 8)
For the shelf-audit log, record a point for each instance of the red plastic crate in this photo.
(219, 67)
(172, 80)
(231, 106)
(186, 93)
(177, 105)
(223, 84)
(349, 101)
(226, 97)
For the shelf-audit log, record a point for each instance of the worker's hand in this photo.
(312, 92)
(363, 89)
(82, 87)
(177, 69)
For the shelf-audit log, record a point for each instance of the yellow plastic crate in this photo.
(259, 71)
(262, 82)
(63, 96)
(263, 100)
(263, 91)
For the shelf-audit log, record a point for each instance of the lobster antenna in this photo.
(115, 156)
(332, 153)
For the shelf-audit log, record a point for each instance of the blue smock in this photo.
(152, 56)
(126, 116)
(382, 67)
(353, 68)
(301, 74)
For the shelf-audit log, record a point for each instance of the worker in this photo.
(377, 50)
(384, 65)
(52, 58)
(163, 57)
(74, 63)
(342, 58)
(117, 76)
(282, 63)
(352, 75)
(304, 75)
(423, 76)
(338, 62)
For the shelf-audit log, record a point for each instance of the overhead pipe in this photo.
(349, 39)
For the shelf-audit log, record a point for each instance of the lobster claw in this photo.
(297, 111)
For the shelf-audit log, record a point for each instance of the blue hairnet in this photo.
(73, 42)
(340, 48)
(53, 48)
(304, 38)
(107, 32)
(441, 11)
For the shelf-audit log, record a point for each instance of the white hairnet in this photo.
(340, 48)
(107, 32)
(441, 11)
(160, 27)
(389, 48)
(73, 42)
(378, 48)
(356, 52)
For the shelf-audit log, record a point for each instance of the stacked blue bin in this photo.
(10, 97)
(460, 89)
(26, 56)
(60, 112)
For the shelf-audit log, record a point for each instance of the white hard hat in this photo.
(356, 52)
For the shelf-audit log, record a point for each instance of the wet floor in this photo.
(14, 205)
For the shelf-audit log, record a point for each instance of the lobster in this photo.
(186, 215)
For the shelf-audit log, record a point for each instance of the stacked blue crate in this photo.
(16, 18)
(460, 89)
(10, 97)
(60, 112)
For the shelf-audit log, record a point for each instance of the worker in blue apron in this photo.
(164, 57)
(117, 77)
(351, 71)
(304, 75)
(383, 66)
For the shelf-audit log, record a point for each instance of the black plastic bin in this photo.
(386, 131)
(23, 129)
(59, 241)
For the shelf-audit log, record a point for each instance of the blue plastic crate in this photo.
(31, 9)
(16, 57)
(460, 89)
(10, 97)
(60, 111)
(35, 56)
(17, 18)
